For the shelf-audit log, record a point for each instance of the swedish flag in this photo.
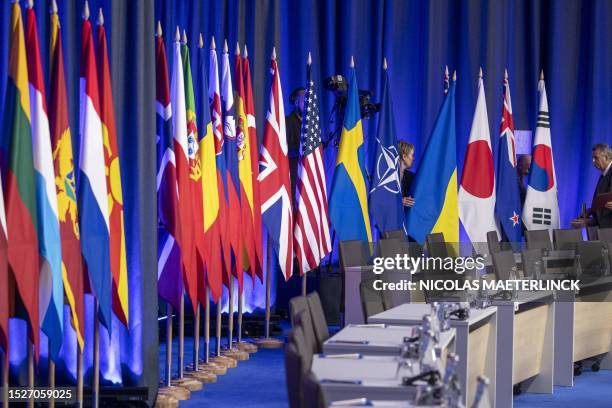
(348, 201)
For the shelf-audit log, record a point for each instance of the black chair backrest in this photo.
(293, 369)
(296, 306)
(529, 258)
(592, 233)
(503, 262)
(436, 246)
(304, 320)
(493, 242)
(398, 234)
(605, 234)
(591, 259)
(566, 239)
(353, 253)
(319, 322)
(538, 239)
(313, 394)
(371, 299)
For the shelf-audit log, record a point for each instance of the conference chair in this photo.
(436, 246)
(313, 394)
(503, 262)
(389, 248)
(319, 322)
(298, 360)
(592, 234)
(529, 257)
(605, 234)
(371, 299)
(566, 239)
(398, 234)
(591, 260)
(493, 242)
(538, 239)
(301, 317)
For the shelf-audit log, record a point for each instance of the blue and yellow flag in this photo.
(348, 200)
(435, 185)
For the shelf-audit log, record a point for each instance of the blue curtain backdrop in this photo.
(569, 40)
(129, 356)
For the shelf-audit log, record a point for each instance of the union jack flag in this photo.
(275, 184)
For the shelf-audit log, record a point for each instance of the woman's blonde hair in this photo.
(405, 148)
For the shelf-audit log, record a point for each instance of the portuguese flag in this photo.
(20, 188)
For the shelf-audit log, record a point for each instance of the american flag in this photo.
(311, 232)
(274, 178)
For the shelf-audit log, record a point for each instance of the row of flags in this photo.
(487, 199)
(218, 189)
(53, 216)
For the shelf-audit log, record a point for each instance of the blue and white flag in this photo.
(386, 194)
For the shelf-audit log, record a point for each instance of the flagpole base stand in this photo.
(203, 376)
(236, 354)
(173, 392)
(270, 343)
(189, 383)
(166, 401)
(215, 368)
(247, 347)
(226, 361)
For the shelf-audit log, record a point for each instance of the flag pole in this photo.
(207, 328)
(51, 382)
(168, 345)
(5, 379)
(240, 299)
(96, 357)
(196, 338)
(230, 316)
(218, 353)
(181, 356)
(304, 284)
(79, 391)
(30, 372)
(267, 341)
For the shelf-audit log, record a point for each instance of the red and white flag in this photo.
(274, 179)
(311, 232)
(477, 190)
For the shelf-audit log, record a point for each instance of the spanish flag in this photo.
(118, 263)
(210, 187)
(245, 171)
(348, 201)
(19, 185)
(65, 184)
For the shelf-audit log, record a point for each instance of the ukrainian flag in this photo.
(435, 186)
(348, 201)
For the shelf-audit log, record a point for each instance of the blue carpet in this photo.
(260, 383)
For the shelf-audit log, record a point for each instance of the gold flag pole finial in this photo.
(225, 49)
(385, 66)
(100, 17)
(274, 53)
(309, 58)
(246, 51)
(506, 73)
(480, 73)
(201, 41)
(30, 4)
(352, 62)
(541, 75)
(213, 46)
(53, 7)
(237, 48)
(454, 75)
(184, 39)
(177, 36)
(159, 29)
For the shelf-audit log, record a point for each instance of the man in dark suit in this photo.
(522, 168)
(293, 126)
(602, 160)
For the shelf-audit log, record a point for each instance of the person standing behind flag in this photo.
(508, 204)
(348, 200)
(406, 151)
(541, 209)
(602, 160)
(385, 198)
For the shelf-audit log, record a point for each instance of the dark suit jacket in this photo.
(293, 126)
(604, 185)
(407, 179)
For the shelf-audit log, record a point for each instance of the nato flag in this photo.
(386, 194)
